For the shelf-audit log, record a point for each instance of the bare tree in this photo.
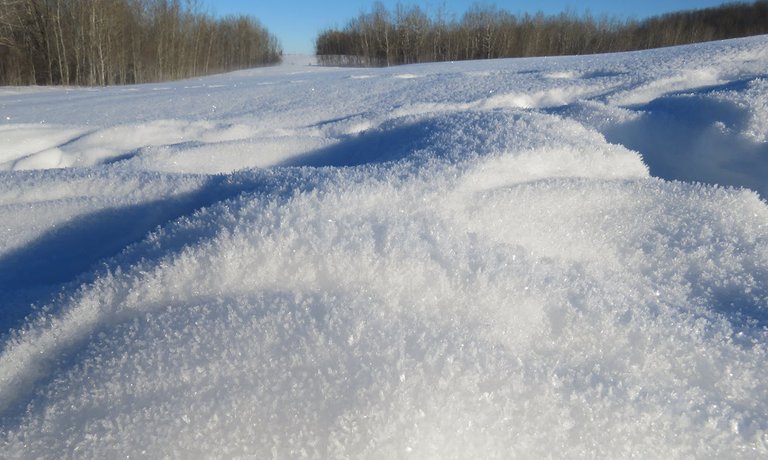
(101, 42)
(410, 35)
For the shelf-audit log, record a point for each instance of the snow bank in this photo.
(416, 267)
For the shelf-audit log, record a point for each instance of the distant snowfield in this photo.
(562, 257)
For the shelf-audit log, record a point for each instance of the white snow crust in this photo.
(530, 258)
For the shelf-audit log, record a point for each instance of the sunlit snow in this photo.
(551, 257)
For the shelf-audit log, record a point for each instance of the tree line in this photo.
(105, 42)
(409, 35)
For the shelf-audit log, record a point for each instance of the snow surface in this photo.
(492, 259)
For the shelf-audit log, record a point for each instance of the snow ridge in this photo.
(525, 258)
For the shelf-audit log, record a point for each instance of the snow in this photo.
(551, 257)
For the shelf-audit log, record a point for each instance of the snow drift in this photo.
(494, 259)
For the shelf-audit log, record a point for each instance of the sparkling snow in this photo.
(552, 257)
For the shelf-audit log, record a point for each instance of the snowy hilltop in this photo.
(562, 257)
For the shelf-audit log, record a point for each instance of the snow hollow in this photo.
(551, 257)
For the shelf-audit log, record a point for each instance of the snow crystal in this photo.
(462, 260)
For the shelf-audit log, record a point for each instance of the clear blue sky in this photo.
(297, 22)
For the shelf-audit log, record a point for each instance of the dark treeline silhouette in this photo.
(104, 42)
(409, 35)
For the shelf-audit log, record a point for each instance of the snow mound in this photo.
(414, 264)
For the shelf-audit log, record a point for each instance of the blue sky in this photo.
(297, 22)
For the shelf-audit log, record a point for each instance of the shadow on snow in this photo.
(694, 137)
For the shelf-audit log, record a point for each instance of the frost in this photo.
(470, 260)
